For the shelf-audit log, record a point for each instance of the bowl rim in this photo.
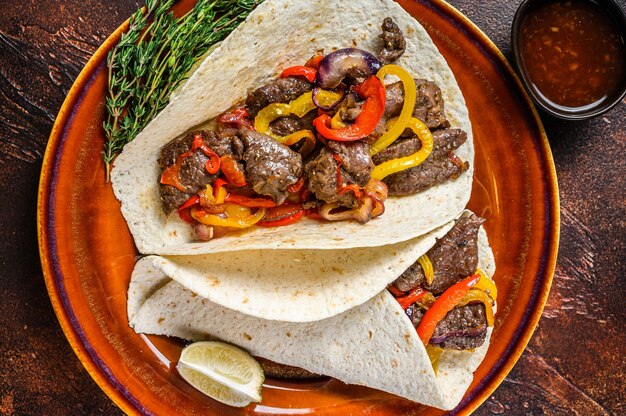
(525, 6)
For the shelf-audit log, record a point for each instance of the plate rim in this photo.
(99, 374)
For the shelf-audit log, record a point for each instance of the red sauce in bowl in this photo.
(573, 53)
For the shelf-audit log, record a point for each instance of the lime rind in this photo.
(223, 372)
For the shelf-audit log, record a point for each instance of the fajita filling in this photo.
(327, 140)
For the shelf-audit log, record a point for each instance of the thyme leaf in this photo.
(154, 57)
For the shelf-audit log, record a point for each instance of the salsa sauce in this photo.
(572, 52)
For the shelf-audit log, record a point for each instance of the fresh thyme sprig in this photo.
(154, 57)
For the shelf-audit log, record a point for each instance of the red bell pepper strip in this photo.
(250, 202)
(233, 171)
(356, 189)
(374, 93)
(239, 116)
(395, 291)
(300, 71)
(171, 175)
(444, 304)
(219, 182)
(213, 164)
(411, 297)
(296, 186)
(284, 214)
(314, 61)
(183, 210)
(339, 163)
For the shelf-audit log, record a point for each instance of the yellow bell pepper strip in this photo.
(410, 94)
(298, 107)
(236, 211)
(434, 353)
(479, 296)
(209, 219)
(300, 71)
(427, 266)
(444, 304)
(402, 163)
(411, 297)
(213, 196)
(427, 301)
(306, 135)
(337, 121)
(487, 285)
(373, 91)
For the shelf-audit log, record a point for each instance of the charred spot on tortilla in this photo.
(313, 143)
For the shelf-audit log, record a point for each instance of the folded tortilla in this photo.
(373, 344)
(296, 285)
(253, 54)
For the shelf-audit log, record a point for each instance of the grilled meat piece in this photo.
(321, 179)
(321, 171)
(393, 42)
(454, 257)
(440, 166)
(284, 126)
(355, 160)
(463, 328)
(429, 106)
(270, 166)
(280, 91)
(193, 175)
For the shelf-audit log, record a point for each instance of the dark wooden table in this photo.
(574, 364)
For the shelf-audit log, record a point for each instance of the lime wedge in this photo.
(222, 372)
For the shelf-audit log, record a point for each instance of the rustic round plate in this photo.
(88, 254)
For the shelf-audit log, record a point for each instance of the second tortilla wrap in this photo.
(373, 344)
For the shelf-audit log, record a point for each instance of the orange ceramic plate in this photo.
(88, 254)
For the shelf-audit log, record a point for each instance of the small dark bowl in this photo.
(615, 11)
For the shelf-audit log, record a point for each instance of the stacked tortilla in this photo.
(312, 286)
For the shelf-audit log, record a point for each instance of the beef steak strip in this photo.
(436, 169)
(356, 168)
(355, 160)
(463, 328)
(454, 257)
(193, 174)
(270, 166)
(429, 106)
(284, 126)
(321, 179)
(393, 42)
(281, 90)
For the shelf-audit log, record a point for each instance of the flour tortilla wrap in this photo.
(252, 55)
(373, 344)
(296, 285)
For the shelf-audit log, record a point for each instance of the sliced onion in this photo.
(318, 103)
(325, 212)
(349, 61)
